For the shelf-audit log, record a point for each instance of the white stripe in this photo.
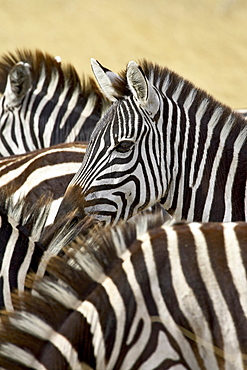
(187, 104)
(71, 103)
(231, 176)
(7, 134)
(117, 304)
(210, 191)
(88, 310)
(163, 351)
(168, 143)
(198, 117)
(53, 117)
(29, 109)
(6, 267)
(163, 312)
(175, 144)
(141, 314)
(187, 301)
(235, 263)
(55, 204)
(86, 112)
(10, 175)
(231, 346)
(21, 356)
(50, 91)
(33, 325)
(45, 173)
(211, 125)
(22, 273)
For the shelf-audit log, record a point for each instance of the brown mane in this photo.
(158, 74)
(38, 61)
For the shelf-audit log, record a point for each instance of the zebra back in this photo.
(137, 296)
(44, 103)
(34, 174)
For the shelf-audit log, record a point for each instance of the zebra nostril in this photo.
(74, 221)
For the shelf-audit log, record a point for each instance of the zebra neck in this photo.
(197, 139)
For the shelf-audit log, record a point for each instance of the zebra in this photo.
(162, 140)
(140, 295)
(26, 244)
(44, 103)
(44, 172)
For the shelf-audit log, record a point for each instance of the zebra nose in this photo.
(66, 209)
(73, 201)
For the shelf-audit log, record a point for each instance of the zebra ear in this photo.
(141, 88)
(105, 79)
(18, 83)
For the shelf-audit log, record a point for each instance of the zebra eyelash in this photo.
(124, 146)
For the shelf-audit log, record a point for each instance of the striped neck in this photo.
(203, 141)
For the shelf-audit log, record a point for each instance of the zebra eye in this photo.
(124, 146)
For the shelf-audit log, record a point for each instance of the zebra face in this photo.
(118, 176)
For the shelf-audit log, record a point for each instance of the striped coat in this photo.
(162, 140)
(44, 172)
(44, 103)
(138, 297)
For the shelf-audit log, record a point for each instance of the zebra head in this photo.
(114, 181)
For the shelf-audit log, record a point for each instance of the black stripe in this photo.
(191, 271)
(56, 186)
(3, 140)
(76, 329)
(224, 278)
(163, 267)
(239, 184)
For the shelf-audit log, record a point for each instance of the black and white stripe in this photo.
(132, 297)
(44, 103)
(40, 173)
(21, 226)
(162, 140)
(26, 244)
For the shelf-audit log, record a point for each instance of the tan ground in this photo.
(203, 40)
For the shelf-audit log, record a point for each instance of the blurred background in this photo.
(205, 41)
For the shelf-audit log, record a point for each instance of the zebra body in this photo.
(44, 103)
(26, 244)
(42, 172)
(132, 297)
(20, 228)
(162, 140)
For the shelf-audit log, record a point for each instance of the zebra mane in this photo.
(97, 253)
(30, 219)
(46, 64)
(169, 82)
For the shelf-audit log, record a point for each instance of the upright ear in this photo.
(18, 83)
(141, 88)
(105, 79)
